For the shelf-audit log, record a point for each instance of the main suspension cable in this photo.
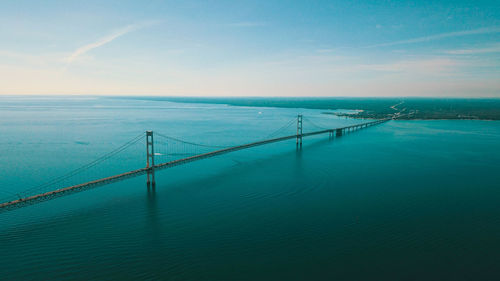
(86, 166)
(188, 142)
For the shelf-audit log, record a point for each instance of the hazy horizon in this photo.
(243, 97)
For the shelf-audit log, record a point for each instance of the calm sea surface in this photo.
(404, 200)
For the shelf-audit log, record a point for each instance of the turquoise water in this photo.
(404, 200)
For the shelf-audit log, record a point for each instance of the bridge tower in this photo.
(150, 164)
(299, 131)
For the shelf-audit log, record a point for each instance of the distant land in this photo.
(402, 108)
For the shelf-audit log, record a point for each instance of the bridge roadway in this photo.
(91, 184)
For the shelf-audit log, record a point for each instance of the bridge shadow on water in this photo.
(155, 227)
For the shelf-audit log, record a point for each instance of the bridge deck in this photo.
(83, 186)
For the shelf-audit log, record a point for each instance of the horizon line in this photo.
(239, 97)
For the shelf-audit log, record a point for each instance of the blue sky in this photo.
(251, 48)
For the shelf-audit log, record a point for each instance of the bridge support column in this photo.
(299, 131)
(150, 164)
(339, 132)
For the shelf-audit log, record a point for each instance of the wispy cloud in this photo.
(247, 24)
(327, 50)
(485, 30)
(433, 66)
(107, 39)
(473, 51)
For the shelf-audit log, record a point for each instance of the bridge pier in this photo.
(150, 164)
(339, 132)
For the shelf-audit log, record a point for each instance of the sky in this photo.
(250, 48)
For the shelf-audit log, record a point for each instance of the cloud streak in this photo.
(247, 24)
(485, 30)
(105, 40)
(491, 49)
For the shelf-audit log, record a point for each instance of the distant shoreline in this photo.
(356, 116)
(369, 108)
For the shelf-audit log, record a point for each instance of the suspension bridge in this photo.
(178, 152)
